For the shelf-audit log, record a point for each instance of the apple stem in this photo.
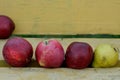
(46, 42)
(116, 49)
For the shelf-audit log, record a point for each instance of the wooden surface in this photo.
(59, 74)
(34, 72)
(63, 16)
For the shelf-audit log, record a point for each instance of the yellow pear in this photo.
(105, 55)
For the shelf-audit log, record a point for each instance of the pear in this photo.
(105, 56)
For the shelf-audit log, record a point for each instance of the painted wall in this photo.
(63, 16)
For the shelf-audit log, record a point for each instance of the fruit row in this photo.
(18, 52)
(50, 53)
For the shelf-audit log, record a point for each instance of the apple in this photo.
(49, 53)
(7, 26)
(105, 55)
(78, 55)
(17, 52)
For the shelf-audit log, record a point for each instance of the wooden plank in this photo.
(59, 74)
(34, 72)
(63, 16)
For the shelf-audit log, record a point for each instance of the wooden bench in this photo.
(62, 17)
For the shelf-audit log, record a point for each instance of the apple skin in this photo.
(7, 26)
(105, 56)
(17, 52)
(78, 55)
(49, 53)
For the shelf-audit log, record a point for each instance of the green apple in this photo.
(105, 55)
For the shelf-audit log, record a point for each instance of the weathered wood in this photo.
(63, 16)
(59, 74)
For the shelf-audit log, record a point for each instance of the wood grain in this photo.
(58, 74)
(63, 16)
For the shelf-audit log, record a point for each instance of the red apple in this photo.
(50, 53)
(17, 52)
(78, 55)
(7, 26)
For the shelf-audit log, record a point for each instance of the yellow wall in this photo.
(63, 16)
